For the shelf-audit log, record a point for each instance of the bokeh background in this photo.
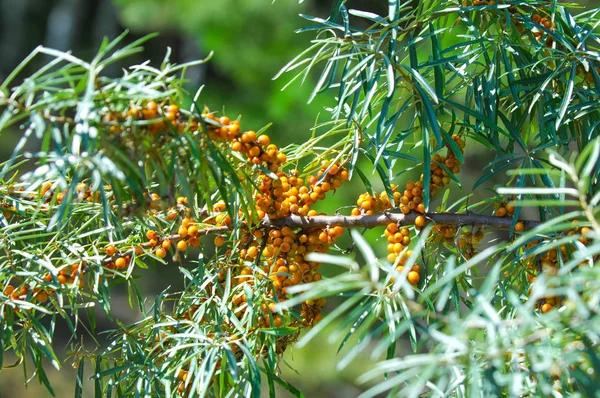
(251, 40)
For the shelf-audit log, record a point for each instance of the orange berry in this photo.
(510, 208)
(413, 278)
(219, 241)
(264, 140)
(519, 226)
(501, 212)
(151, 235)
(585, 230)
(161, 253)
(171, 215)
(41, 296)
(392, 228)
(110, 250)
(182, 231)
(277, 321)
(166, 244)
(420, 221)
(546, 307)
(120, 263)
(182, 245)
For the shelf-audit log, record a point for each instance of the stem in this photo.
(366, 221)
(363, 221)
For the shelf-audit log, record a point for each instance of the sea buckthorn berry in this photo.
(192, 230)
(219, 241)
(237, 146)
(420, 221)
(182, 245)
(151, 235)
(510, 208)
(166, 244)
(547, 307)
(500, 212)
(161, 253)
(41, 296)
(392, 228)
(120, 263)
(182, 231)
(172, 215)
(519, 226)
(263, 140)
(585, 230)
(110, 250)
(413, 278)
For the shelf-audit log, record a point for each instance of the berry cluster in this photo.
(413, 277)
(150, 117)
(549, 261)
(411, 199)
(507, 209)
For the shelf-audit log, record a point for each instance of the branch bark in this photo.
(375, 220)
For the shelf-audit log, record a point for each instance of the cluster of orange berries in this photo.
(21, 293)
(398, 240)
(440, 166)
(187, 235)
(47, 193)
(69, 274)
(548, 262)
(377, 202)
(290, 194)
(536, 18)
(412, 197)
(467, 241)
(444, 232)
(507, 209)
(413, 277)
(280, 252)
(156, 118)
(538, 33)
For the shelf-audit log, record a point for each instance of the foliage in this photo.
(125, 175)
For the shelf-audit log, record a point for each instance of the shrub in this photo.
(131, 171)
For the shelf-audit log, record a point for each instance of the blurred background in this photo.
(252, 40)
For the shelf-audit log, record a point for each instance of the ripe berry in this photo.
(161, 253)
(413, 278)
(501, 212)
(182, 231)
(182, 245)
(519, 226)
(547, 307)
(41, 296)
(219, 241)
(110, 250)
(264, 140)
(120, 263)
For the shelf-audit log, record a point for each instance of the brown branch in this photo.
(363, 221)
(381, 219)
